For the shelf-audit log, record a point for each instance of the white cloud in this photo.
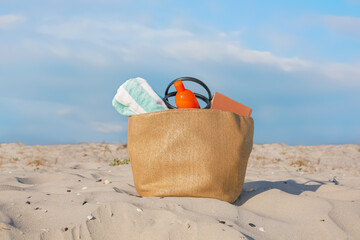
(64, 111)
(106, 42)
(107, 127)
(343, 24)
(11, 20)
(133, 42)
(223, 51)
(110, 43)
(282, 42)
(40, 50)
(93, 57)
(99, 31)
(347, 74)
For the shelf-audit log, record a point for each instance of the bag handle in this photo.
(207, 100)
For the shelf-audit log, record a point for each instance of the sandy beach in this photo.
(86, 191)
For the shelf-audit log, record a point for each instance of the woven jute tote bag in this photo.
(190, 153)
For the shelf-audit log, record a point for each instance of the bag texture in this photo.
(190, 153)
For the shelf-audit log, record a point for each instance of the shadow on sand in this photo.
(251, 189)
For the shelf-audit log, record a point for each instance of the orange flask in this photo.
(185, 98)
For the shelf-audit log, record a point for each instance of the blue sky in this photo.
(296, 63)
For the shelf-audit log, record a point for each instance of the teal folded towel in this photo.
(136, 96)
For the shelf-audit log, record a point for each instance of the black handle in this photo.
(189, 79)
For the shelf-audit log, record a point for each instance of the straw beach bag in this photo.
(190, 153)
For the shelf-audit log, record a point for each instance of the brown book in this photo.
(224, 103)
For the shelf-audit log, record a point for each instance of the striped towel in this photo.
(136, 96)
